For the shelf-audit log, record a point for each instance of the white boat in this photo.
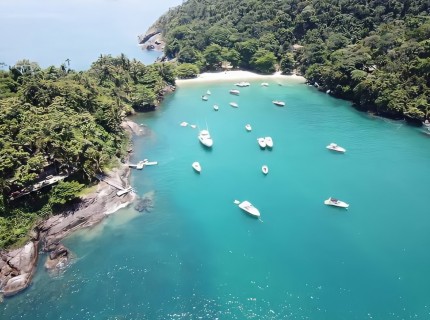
(208, 93)
(205, 98)
(249, 208)
(196, 166)
(335, 147)
(205, 138)
(216, 108)
(184, 124)
(269, 142)
(264, 84)
(235, 92)
(234, 104)
(193, 126)
(242, 84)
(426, 123)
(278, 103)
(261, 142)
(265, 169)
(335, 202)
(248, 127)
(146, 162)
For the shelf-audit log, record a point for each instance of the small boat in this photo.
(184, 124)
(242, 84)
(335, 202)
(205, 98)
(146, 162)
(236, 201)
(261, 142)
(196, 166)
(269, 142)
(234, 104)
(248, 127)
(426, 123)
(249, 208)
(216, 108)
(265, 169)
(208, 93)
(278, 103)
(235, 92)
(264, 84)
(193, 126)
(335, 147)
(205, 138)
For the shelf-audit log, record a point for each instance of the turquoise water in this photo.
(198, 256)
(51, 31)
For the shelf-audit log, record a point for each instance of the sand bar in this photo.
(235, 76)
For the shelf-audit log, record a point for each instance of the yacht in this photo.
(269, 142)
(216, 108)
(242, 84)
(248, 127)
(205, 138)
(262, 142)
(208, 92)
(265, 169)
(184, 124)
(278, 103)
(205, 98)
(335, 147)
(234, 104)
(196, 166)
(335, 202)
(264, 84)
(235, 92)
(249, 208)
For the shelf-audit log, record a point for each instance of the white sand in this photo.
(239, 76)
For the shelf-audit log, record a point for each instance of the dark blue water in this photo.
(198, 256)
(50, 31)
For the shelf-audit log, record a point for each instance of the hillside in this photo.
(374, 53)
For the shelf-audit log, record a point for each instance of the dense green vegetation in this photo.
(375, 53)
(60, 122)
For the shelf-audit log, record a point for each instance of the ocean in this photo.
(49, 32)
(196, 255)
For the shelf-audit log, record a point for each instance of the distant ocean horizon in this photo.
(49, 32)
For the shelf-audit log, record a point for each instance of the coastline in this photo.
(18, 266)
(238, 75)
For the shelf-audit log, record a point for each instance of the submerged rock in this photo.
(146, 203)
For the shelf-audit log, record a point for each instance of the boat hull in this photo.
(338, 203)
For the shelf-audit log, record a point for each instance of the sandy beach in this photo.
(238, 75)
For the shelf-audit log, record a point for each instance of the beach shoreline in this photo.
(238, 75)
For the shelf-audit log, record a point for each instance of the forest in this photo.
(373, 53)
(56, 122)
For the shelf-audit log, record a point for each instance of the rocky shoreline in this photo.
(17, 266)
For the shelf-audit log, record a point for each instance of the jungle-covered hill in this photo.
(375, 53)
(58, 122)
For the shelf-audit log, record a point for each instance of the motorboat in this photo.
(249, 208)
(205, 138)
(242, 84)
(196, 166)
(426, 123)
(335, 202)
(335, 147)
(146, 162)
(205, 98)
(208, 93)
(265, 169)
(184, 124)
(234, 105)
(278, 103)
(248, 127)
(261, 142)
(264, 84)
(269, 142)
(193, 126)
(216, 108)
(235, 92)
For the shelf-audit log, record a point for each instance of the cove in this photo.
(197, 255)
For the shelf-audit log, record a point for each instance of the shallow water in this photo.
(198, 256)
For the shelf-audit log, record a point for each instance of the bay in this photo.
(197, 255)
(49, 32)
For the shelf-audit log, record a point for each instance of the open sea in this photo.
(198, 256)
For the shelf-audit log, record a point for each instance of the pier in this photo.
(121, 190)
